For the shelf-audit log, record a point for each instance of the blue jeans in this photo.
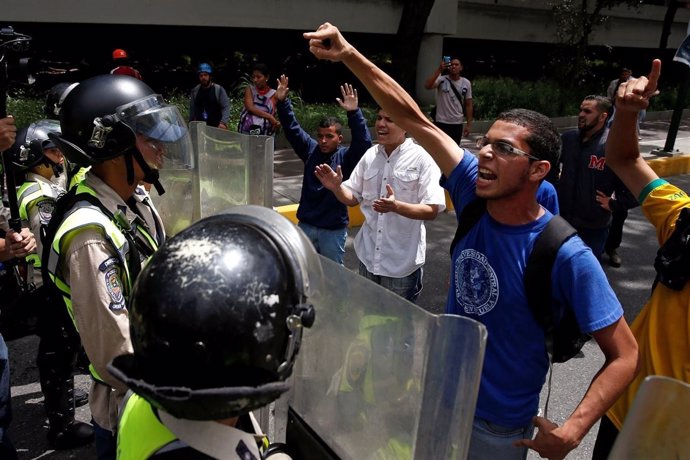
(491, 441)
(328, 243)
(7, 450)
(408, 287)
(595, 238)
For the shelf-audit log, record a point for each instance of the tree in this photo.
(409, 39)
(575, 22)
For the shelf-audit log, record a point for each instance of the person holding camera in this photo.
(453, 99)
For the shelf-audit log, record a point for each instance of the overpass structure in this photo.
(527, 21)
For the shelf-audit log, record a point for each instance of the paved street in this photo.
(631, 282)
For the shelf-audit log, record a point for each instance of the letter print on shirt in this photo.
(476, 284)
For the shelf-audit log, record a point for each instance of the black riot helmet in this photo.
(217, 315)
(54, 99)
(27, 150)
(102, 118)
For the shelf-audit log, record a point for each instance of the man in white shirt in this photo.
(397, 186)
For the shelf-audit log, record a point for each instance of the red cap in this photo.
(119, 54)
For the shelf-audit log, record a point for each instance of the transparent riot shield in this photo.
(229, 169)
(658, 424)
(380, 378)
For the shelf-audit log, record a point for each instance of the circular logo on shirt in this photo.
(476, 284)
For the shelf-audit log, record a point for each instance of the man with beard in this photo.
(586, 185)
(321, 216)
(209, 102)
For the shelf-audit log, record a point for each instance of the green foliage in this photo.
(24, 109)
(491, 96)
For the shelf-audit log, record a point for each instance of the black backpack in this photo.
(563, 340)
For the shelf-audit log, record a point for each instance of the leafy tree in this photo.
(575, 22)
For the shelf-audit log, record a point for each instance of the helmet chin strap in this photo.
(150, 175)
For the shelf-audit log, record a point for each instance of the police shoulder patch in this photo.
(45, 211)
(113, 283)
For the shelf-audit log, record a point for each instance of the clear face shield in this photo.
(162, 134)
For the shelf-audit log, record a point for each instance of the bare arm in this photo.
(621, 358)
(469, 117)
(430, 82)
(389, 94)
(622, 146)
(333, 181)
(251, 108)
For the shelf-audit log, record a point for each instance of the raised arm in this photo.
(622, 146)
(430, 82)
(328, 43)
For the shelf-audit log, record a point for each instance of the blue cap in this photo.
(204, 67)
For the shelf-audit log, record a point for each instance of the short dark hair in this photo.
(543, 139)
(603, 103)
(331, 121)
(261, 67)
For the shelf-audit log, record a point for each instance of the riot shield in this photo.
(229, 169)
(658, 424)
(376, 374)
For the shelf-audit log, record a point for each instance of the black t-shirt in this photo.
(206, 106)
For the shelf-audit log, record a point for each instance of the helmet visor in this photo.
(162, 125)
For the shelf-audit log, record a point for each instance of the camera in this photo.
(446, 61)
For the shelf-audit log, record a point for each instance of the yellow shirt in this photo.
(662, 328)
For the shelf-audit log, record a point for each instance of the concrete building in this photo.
(525, 21)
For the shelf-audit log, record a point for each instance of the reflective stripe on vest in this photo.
(140, 434)
(85, 215)
(27, 195)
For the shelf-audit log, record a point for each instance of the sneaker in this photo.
(81, 397)
(77, 434)
(614, 258)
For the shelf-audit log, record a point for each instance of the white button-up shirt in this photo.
(389, 244)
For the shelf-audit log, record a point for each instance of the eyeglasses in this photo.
(504, 149)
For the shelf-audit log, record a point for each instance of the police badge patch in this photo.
(45, 211)
(113, 283)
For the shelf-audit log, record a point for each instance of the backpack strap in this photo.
(539, 264)
(461, 99)
(469, 216)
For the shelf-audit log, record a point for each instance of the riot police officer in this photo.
(216, 323)
(37, 157)
(102, 231)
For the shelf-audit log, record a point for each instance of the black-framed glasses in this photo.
(504, 149)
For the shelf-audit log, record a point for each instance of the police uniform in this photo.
(146, 432)
(89, 264)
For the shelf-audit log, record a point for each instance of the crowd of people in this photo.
(107, 281)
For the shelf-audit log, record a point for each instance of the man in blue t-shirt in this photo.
(487, 269)
(321, 216)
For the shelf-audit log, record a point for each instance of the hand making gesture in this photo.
(349, 102)
(633, 95)
(282, 89)
(329, 178)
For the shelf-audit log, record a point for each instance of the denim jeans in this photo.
(7, 450)
(328, 243)
(491, 441)
(408, 287)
